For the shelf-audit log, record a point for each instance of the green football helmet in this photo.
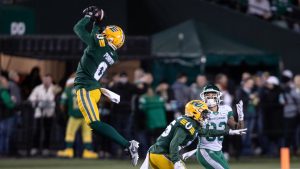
(211, 95)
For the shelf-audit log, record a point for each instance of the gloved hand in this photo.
(179, 165)
(94, 13)
(187, 155)
(237, 132)
(90, 11)
(239, 109)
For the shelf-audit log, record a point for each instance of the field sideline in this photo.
(12, 163)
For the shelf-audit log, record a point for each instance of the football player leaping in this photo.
(164, 154)
(98, 56)
(209, 151)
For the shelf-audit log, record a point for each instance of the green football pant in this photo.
(212, 159)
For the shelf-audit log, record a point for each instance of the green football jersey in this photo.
(68, 98)
(97, 57)
(179, 134)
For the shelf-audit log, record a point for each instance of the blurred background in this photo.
(249, 48)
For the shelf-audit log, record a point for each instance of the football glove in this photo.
(237, 132)
(94, 13)
(179, 165)
(89, 11)
(189, 154)
(239, 109)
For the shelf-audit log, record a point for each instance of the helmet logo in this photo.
(113, 28)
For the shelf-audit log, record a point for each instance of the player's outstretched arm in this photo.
(212, 132)
(216, 133)
(81, 32)
(178, 138)
(90, 14)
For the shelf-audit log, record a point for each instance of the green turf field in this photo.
(114, 164)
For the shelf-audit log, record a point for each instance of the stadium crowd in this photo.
(33, 116)
(284, 13)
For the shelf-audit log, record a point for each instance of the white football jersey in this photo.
(218, 121)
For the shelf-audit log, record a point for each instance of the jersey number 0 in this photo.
(100, 70)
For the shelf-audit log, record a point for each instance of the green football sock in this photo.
(69, 144)
(88, 146)
(105, 129)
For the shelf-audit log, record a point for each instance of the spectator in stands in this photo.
(221, 81)
(43, 100)
(143, 82)
(181, 91)
(289, 99)
(114, 80)
(260, 8)
(245, 76)
(7, 119)
(153, 107)
(272, 115)
(122, 112)
(287, 79)
(246, 94)
(296, 95)
(13, 86)
(138, 75)
(198, 86)
(164, 90)
(31, 81)
(258, 89)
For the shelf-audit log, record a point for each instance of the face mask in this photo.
(211, 102)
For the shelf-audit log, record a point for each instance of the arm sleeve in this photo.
(81, 32)
(212, 133)
(7, 100)
(230, 114)
(178, 138)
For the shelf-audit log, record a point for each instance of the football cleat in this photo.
(88, 154)
(67, 153)
(133, 149)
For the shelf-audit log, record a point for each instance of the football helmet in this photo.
(114, 35)
(211, 95)
(196, 109)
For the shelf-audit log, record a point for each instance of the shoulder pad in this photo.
(187, 124)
